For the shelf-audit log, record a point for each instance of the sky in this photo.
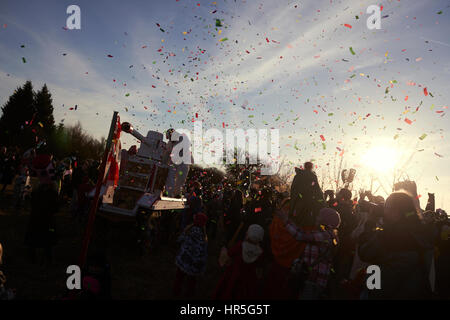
(377, 100)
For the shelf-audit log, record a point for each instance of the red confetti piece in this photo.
(408, 121)
(223, 124)
(267, 39)
(406, 98)
(381, 8)
(322, 137)
(110, 56)
(153, 86)
(196, 115)
(425, 91)
(258, 209)
(348, 26)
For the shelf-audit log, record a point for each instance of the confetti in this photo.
(408, 121)
(24, 60)
(348, 26)
(425, 91)
(351, 50)
(423, 136)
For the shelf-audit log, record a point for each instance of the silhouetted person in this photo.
(44, 205)
(306, 196)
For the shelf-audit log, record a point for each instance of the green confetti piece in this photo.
(251, 116)
(396, 136)
(423, 136)
(127, 95)
(437, 178)
(410, 214)
(23, 59)
(330, 114)
(22, 46)
(161, 29)
(440, 12)
(223, 39)
(356, 17)
(351, 50)
(387, 90)
(218, 23)
(324, 146)
(154, 62)
(353, 75)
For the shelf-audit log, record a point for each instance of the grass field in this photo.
(133, 276)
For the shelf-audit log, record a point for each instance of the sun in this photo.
(381, 159)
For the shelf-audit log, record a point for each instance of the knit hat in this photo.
(329, 217)
(200, 219)
(43, 166)
(255, 233)
(251, 249)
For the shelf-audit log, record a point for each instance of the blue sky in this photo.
(284, 64)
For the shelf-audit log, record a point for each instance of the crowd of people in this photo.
(310, 244)
(303, 244)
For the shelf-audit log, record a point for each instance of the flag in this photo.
(111, 177)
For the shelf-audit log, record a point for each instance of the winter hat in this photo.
(91, 284)
(200, 219)
(251, 249)
(329, 217)
(255, 233)
(43, 166)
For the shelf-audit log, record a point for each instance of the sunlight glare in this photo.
(380, 159)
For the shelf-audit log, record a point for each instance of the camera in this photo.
(376, 209)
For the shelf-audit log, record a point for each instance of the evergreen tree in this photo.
(44, 122)
(17, 118)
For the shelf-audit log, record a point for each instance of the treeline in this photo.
(27, 120)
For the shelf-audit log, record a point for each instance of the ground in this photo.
(133, 276)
